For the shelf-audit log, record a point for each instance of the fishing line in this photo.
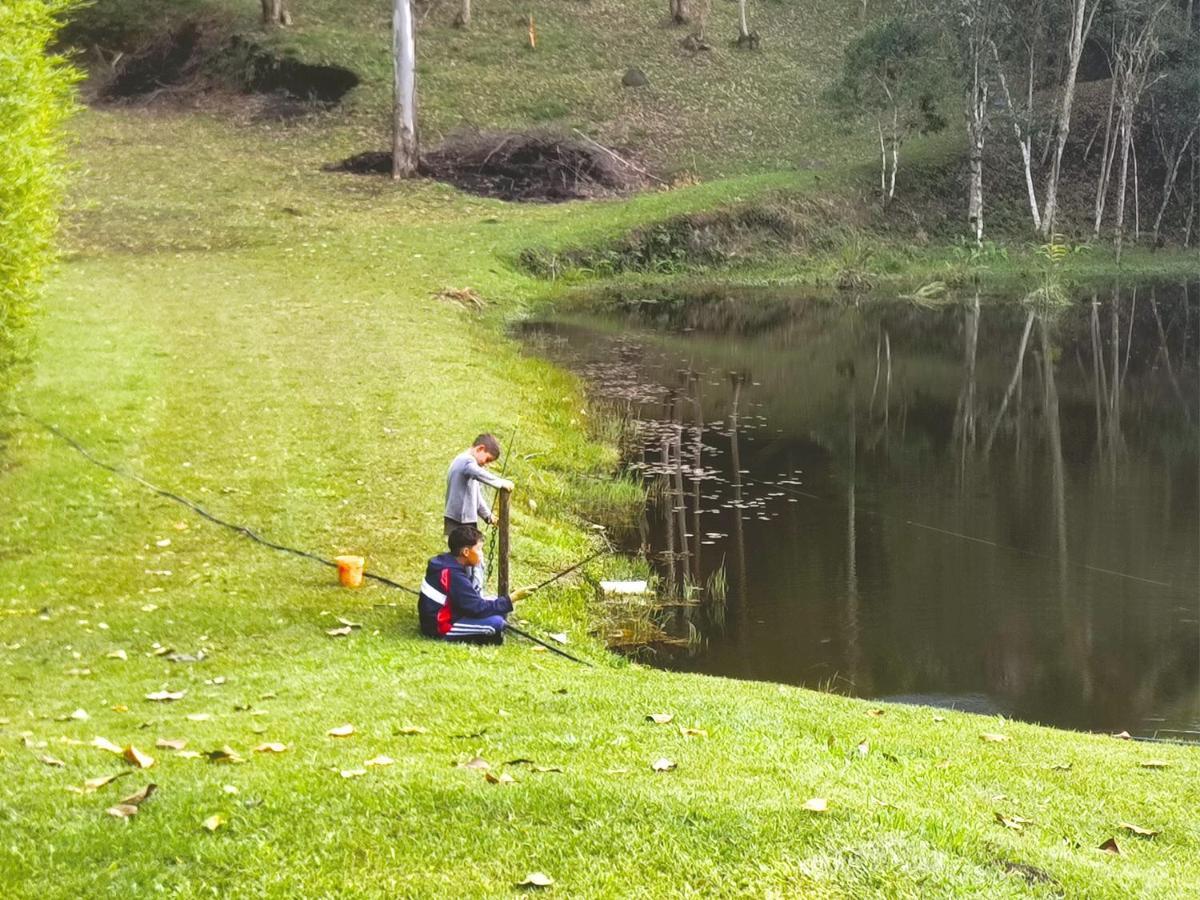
(978, 540)
(258, 538)
(512, 442)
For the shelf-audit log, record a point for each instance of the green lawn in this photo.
(233, 324)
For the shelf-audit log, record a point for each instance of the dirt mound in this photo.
(203, 54)
(520, 166)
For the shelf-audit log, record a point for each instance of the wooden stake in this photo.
(502, 566)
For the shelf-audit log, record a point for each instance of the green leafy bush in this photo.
(36, 96)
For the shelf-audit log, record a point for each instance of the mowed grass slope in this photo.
(235, 325)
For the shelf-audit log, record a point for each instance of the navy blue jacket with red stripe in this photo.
(448, 594)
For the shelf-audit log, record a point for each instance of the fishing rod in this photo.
(565, 572)
(529, 637)
(258, 538)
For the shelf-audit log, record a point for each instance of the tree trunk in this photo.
(275, 12)
(404, 119)
(1106, 161)
(463, 19)
(1082, 16)
(679, 12)
(743, 28)
(1024, 138)
(975, 136)
(1126, 132)
(1169, 180)
(883, 163)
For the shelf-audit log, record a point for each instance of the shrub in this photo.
(36, 97)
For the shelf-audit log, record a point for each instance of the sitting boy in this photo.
(451, 606)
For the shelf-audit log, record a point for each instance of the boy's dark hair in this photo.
(462, 536)
(489, 443)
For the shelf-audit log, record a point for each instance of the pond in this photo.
(969, 503)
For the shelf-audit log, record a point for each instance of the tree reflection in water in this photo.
(1005, 511)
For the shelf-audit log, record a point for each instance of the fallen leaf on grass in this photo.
(1110, 846)
(663, 765)
(122, 810)
(105, 744)
(225, 756)
(376, 761)
(213, 822)
(30, 743)
(816, 804)
(411, 729)
(548, 769)
(348, 623)
(271, 747)
(53, 761)
(187, 754)
(1137, 829)
(659, 718)
(80, 715)
(165, 696)
(170, 743)
(1061, 767)
(502, 778)
(1124, 736)
(477, 763)
(939, 718)
(536, 879)
(560, 636)
(230, 789)
(94, 784)
(341, 731)
(692, 732)
(117, 654)
(353, 773)
(135, 756)
(876, 712)
(1154, 764)
(140, 797)
(1015, 822)
(199, 717)
(864, 747)
(339, 632)
(991, 738)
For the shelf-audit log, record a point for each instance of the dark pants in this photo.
(488, 630)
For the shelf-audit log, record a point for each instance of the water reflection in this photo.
(978, 501)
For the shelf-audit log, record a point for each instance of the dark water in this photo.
(974, 505)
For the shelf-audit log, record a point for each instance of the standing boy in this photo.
(451, 606)
(464, 497)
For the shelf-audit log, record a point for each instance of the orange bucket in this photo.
(350, 570)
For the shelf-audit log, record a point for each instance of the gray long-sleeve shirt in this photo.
(464, 499)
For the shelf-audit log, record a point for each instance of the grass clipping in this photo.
(521, 165)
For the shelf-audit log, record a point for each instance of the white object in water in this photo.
(623, 587)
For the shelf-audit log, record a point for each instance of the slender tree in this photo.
(1139, 45)
(1175, 115)
(1082, 15)
(1018, 54)
(969, 29)
(891, 75)
(404, 119)
(275, 12)
(463, 19)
